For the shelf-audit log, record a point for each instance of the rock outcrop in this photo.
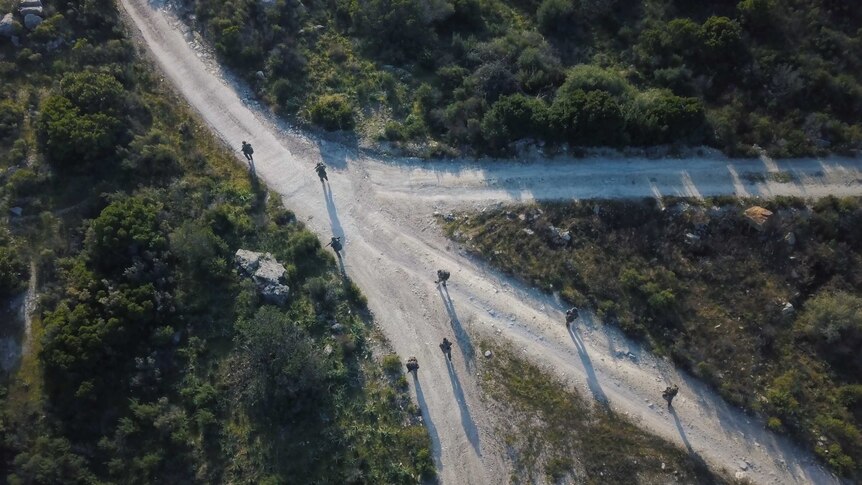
(267, 274)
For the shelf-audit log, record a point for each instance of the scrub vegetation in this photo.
(771, 317)
(554, 435)
(150, 358)
(442, 77)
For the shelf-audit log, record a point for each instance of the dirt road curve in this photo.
(393, 249)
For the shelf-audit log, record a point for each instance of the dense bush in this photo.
(833, 323)
(126, 231)
(73, 139)
(11, 116)
(13, 271)
(782, 76)
(514, 117)
(151, 359)
(332, 112)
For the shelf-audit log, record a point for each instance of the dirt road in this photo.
(392, 249)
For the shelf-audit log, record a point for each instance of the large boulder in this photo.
(267, 274)
(31, 21)
(247, 261)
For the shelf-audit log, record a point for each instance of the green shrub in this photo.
(14, 272)
(591, 118)
(332, 112)
(70, 137)
(586, 77)
(126, 229)
(556, 17)
(721, 38)
(392, 364)
(94, 92)
(24, 182)
(514, 117)
(833, 322)
(11, 116)
(658, 117)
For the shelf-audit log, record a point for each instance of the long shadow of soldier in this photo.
(592, 381)
(693, 454)
(466, 419)
(461, 335)
(426, 418)
(334, 221)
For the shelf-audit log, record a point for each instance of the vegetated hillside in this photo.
(699, 283)
(554, 435)
(475, 75)
(152, 359)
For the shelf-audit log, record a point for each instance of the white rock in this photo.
(267, 273)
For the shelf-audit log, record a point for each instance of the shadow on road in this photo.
(334, 221)
(681, 431)
(466, 420)
(341, 267)
(592, 380)
(461, 336)
(693, 454)
(426, 418)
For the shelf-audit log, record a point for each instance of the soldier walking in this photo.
(446, 347)
(669, 393)
(412, 365)
(571, 315)
(320, 168)
(335, 242)
(248, 151)
(442, 277)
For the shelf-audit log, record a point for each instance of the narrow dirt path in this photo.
(392, 249)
